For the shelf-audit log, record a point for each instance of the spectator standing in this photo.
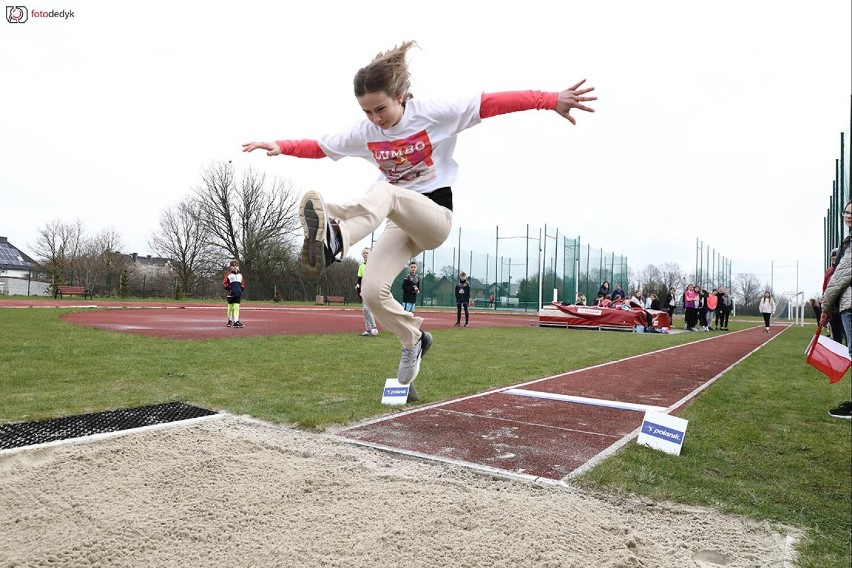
(604, 289)
(817, 310)
(712, 303)
(671, 302)
(724, 309)
(690, 307)
(838, 298)
(702, 309)
(410, 288)
(835, 325)
(462, 299)
(234, 283)
(370, 329)
(767, 307)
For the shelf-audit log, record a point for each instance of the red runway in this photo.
(518, 432)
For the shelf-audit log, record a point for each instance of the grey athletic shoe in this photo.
(409, 363)
(319, 230)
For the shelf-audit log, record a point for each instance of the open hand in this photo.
(271, 148)
(572, 98)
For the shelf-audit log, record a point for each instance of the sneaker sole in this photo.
(313, 218)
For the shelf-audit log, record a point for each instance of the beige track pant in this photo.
(415, 224)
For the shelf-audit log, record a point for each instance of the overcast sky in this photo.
(716, 121)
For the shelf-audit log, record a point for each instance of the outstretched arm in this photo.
(298, 148)
(493, 104)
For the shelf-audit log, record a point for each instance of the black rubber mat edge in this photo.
(57, 429)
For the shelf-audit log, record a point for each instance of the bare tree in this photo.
(672, 276)
(57, 245)
(182, 238)
(747, 290)
(650, 279)
(247, 218)
(97, 257)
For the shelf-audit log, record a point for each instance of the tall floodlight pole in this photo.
(458, 270)
(541, 248)
(496, 262)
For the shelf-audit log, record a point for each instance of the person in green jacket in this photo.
(370, 329)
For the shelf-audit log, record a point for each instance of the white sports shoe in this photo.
(409, 363)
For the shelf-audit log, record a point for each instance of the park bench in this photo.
(336, 300)
(72, 291)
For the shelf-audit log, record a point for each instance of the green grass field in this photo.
(759, 441)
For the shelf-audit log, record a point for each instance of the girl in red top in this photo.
(411, 142)
(712, 302)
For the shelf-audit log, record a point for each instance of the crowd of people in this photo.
(703, 310)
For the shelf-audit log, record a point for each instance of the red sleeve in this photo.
(225, 282)
(493, 104)
(826, 278)
(301, 148)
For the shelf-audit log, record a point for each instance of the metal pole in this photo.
(526, 264)
(496, 262)
(541, 257)
(458, 270)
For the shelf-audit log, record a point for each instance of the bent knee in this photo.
(374, 295)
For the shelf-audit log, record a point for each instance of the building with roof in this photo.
(17, 272)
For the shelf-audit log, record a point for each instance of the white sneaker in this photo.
(409, 363)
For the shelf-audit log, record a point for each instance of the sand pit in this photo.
(231, 491)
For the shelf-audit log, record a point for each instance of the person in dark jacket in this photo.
(654, 302)
(462, 299)
(410, 288)
(723, 309)
(671, 303)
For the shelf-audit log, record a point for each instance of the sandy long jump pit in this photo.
(232, 491)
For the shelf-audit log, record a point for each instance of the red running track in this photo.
(514, 431)
(208, 322)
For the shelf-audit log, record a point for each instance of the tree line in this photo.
(255, 220)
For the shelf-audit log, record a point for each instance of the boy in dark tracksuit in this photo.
(462, 299)
(410, 288)
(234, 284)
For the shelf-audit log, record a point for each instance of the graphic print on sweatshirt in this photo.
(405, 161)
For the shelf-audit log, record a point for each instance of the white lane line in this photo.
(585, 400)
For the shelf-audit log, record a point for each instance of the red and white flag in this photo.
(829, 357)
